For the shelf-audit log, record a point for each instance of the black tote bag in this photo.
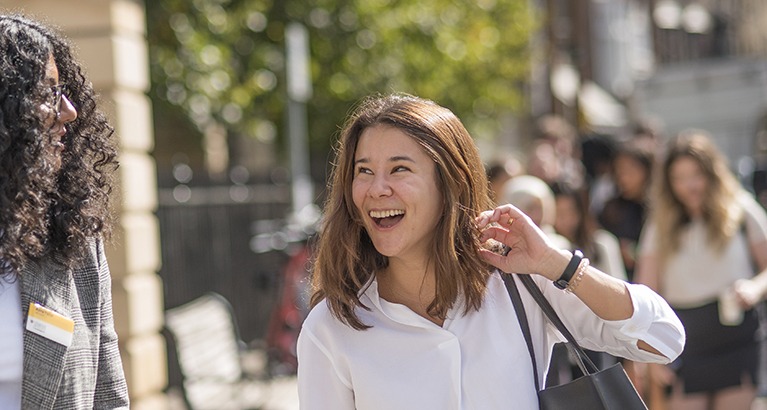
(608, 389)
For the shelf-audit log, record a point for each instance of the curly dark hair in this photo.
(46, 210)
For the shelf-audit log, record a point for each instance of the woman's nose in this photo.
(67, 113)
(380, 187)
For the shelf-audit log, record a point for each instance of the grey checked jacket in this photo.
(88, 374)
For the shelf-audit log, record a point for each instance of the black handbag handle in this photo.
(519, 309)
(583, 360)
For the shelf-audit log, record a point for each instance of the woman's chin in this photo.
(387, 251)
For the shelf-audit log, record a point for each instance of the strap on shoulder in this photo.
(519, 309)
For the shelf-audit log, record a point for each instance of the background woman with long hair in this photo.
(704, 238)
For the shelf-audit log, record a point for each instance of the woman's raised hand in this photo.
(530, 249)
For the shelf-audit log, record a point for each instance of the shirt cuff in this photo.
(654, 322)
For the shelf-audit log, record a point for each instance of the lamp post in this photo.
(299, 89)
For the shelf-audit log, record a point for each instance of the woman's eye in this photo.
(362, 170)
(401, 168)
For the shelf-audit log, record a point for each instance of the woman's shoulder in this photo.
(322, 328)
(319, 315)
(322, 320)
(93, 259)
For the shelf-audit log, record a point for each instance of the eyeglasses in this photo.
(58, 93)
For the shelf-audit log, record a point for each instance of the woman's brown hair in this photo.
(345, 256)
(721, 212)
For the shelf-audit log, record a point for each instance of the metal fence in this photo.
(206, 235)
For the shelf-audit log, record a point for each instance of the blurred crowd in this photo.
(667, 212)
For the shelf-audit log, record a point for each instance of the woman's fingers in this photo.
(746, 293)
(494, 232)
(492, 258)
(503, 215)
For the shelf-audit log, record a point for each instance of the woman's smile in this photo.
(387, 218)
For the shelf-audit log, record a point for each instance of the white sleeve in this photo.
(755, 219)
(653, 321)
(319, 385)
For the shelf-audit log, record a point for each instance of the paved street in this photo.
(280, 394)
(283, 394)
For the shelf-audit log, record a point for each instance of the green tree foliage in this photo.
(223, 61)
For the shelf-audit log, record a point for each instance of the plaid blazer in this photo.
(88, 374)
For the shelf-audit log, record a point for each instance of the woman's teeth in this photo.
(386, 214)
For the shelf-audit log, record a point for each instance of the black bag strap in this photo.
(519, 309)
(584, 362)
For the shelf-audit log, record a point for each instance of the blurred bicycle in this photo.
(293, 238)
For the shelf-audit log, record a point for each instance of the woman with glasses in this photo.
(58, 346)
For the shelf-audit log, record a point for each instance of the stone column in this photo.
(110, 41)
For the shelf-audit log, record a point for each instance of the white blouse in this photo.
(696, 274)
(11, 344)
(474, 361)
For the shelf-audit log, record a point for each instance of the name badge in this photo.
(50, 324)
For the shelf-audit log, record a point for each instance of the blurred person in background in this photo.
(409, 310)
(536, 199)
(574, 221)
(499, 171)
(649, 133)
(542, 162)
(597, 152)
(759, 175)
(624, 215)
(555, 155)
(699, 250)
(58, 346)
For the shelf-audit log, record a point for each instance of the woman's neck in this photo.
(412, 285)
(695, 213)
(633, 195)
(413, 279)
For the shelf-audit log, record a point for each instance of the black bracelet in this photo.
(564, 280)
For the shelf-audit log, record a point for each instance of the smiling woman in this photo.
(395, 192)
(409, 310)
(408, 156)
